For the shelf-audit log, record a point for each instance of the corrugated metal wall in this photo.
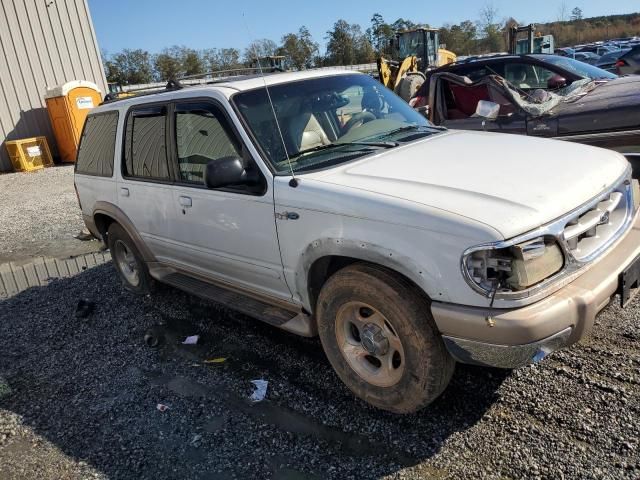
(43, 43)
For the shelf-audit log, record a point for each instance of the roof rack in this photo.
(171, 85)
(206, 78)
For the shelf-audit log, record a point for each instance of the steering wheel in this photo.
(358, 120)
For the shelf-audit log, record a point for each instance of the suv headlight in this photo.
(514, 268)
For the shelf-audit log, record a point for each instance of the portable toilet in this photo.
(68, 106)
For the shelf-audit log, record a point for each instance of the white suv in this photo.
(406, 247)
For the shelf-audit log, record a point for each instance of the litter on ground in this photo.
(260, 391)
(5, 389)
(216, 360)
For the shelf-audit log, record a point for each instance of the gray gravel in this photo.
(83, 396)
(40, 215)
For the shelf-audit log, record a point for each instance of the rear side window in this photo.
(145, 150)
(97, 145)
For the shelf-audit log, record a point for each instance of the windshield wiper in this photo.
(409, 128)
(345, 144)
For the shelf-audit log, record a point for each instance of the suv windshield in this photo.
(328, 120)
(579, 68)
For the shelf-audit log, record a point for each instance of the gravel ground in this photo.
(79, 400)
(40, 215)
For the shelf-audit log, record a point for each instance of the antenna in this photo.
(294, 181)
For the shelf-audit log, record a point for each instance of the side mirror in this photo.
(224, 172)
(556, 82)
(488, 110)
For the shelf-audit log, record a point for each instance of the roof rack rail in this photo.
(206, 78)
(230, 72)
(171, 85)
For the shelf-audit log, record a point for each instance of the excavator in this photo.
(413, 53)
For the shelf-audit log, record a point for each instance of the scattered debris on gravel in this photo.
(85, 397)
(40, 215)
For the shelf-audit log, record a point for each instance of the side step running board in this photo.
(293, 322)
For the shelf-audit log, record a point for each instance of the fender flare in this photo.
(113, 211)
(424, 276)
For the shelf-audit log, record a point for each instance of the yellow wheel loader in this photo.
(413, 53)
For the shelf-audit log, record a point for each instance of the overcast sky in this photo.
(154, 24)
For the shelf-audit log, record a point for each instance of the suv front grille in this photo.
(592, 230)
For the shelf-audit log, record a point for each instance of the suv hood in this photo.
(512, 183)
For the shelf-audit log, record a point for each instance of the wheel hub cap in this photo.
(373, 340)
(370, 344)
(127, 262)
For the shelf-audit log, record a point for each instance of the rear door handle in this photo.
(185, 201)
(124, 192)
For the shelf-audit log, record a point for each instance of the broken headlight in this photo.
(513, 268)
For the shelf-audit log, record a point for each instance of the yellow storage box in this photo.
(29, 154)
(68, 106)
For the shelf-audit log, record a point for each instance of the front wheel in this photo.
(380, 338)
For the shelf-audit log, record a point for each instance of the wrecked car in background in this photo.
(536, 95)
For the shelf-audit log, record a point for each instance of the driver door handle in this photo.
(185, 201)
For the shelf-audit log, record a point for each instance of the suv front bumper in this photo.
(510, 338)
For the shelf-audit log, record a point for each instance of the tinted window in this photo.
(202, 135)
(97, 145)
(145, 150)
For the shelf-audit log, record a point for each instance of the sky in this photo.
(155, 24)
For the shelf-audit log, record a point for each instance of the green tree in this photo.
(380, 33)
(216, 59)
(192, 62)
(229, 58)
(365, 53)
(129, 67)
(259, 48)
(347, 45)
(402, 24)
(461, 38)
(299, 48)
(178, 61)
(168, 63)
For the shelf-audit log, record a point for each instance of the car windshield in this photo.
(579, 68)
(328, 120)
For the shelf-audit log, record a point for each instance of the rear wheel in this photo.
(128, 262)
(380, 337)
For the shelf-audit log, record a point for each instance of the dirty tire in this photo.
(409, 85)
(427, 366)
(118, 239)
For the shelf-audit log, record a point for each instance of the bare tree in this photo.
(563, 12)
(488, 15)
(492, 40)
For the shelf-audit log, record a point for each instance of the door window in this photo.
(145, 150)
(202, 135)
